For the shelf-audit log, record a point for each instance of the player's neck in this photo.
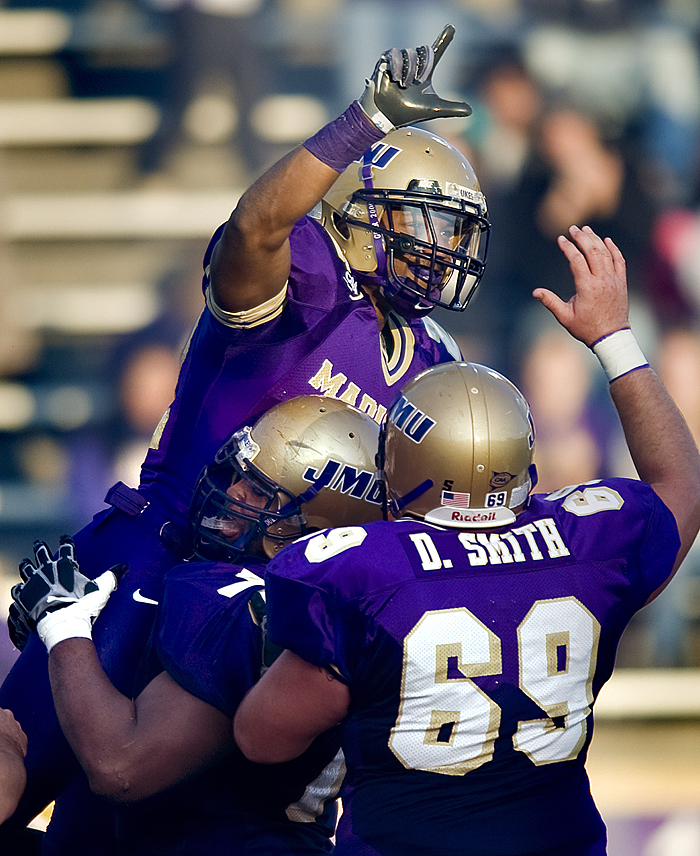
(381, 307)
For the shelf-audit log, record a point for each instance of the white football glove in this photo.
(56, 599)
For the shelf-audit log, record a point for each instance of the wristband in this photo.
(343, 140)
(619, 353)
(56, 626)
(75, 620)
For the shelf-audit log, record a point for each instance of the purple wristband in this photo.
(343, 140)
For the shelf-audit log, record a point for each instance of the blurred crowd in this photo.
(584, 112)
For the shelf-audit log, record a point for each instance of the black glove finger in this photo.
(425, 62)
(44, 559)
(442, 41)
(394, 60)
(18, 627)
(29, 593)
(67, 567)
(409, 60)
(119, 571)
(15, 590)
(66, 549)
(66, 564)
(26, 568)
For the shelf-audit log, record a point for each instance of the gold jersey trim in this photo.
(248, 318)
(396, 365)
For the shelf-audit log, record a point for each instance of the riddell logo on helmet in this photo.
(475, 517)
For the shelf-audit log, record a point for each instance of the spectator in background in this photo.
(558, 381)
(142, 370)
(509, 101)
(216, 75)
(630, 65)
(576, 174)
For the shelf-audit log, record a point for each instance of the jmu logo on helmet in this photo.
(410, 420)
(344, 478)
(379, 155)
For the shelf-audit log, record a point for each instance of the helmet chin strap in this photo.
(384, 276)
(377, 240)
(396, 506)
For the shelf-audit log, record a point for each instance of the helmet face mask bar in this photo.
(434, 248)
(306, 464)
(235, 503)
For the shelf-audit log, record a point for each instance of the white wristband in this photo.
(619, 353)
(56, 626)
(75, 621)
(371, 111)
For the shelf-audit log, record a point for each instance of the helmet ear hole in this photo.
(341, 226)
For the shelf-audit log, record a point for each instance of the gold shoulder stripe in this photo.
(248, 317)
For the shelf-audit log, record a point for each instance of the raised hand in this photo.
(55, 598)
(400, 91)
(600, 305)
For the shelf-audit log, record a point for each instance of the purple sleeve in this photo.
(207, 642)
(304, 619)
(305, 612)
(660, 545)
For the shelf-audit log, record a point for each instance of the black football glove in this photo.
(400, 91)
(18, 625)
(55, 598)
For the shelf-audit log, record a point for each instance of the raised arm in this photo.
(660, 443)
(13, 776)
(251, 262)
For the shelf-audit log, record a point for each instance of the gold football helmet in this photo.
(410, 218)
(306, 464)
(457, 448)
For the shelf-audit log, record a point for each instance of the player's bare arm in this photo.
(251, 262)
(128, 749)
(660, 443)
(291, 704)
(13, 776)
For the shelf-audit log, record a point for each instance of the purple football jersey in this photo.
(325, 341)
(473, 660)
(208, 638)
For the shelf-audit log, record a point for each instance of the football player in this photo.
(331, 302)
(463, 642)
(167, 760)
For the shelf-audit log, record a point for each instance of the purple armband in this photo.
(343, 140)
